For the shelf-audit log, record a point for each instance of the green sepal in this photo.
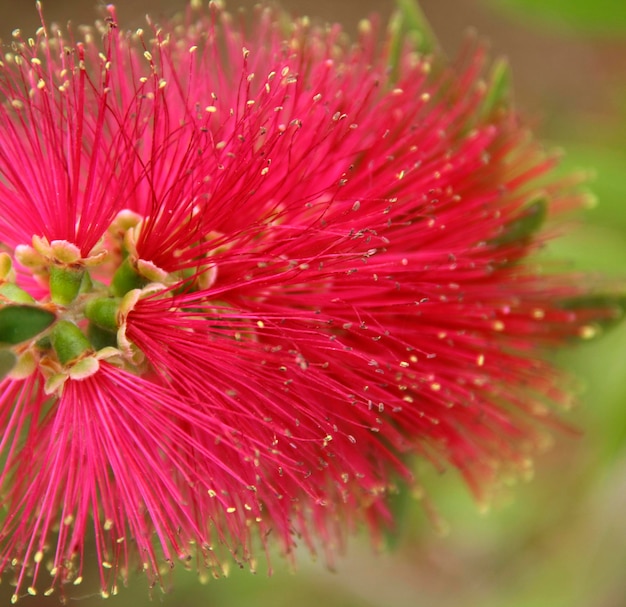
(68, 341)
(8, 360)
(103, 312)
(21, 323)
(101, 338)
(126, 278)
(498, 95)
(65, 284)
(12, 292)
(530, 219)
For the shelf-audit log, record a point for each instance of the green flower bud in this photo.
(65, 284)
(126, 278)
(68, 342)
(103, 312)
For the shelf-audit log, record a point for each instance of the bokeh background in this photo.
(559, 540)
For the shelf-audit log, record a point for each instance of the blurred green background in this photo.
(560, 540)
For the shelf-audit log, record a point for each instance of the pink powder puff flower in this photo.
(246, 274)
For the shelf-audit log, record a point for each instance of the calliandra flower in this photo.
(247, 274)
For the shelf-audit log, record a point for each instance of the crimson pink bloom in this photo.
(270, 267)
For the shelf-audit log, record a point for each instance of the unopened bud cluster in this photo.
(82, 318)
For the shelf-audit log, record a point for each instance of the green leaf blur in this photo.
(597, 16)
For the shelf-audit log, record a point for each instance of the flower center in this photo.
(81, 318)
